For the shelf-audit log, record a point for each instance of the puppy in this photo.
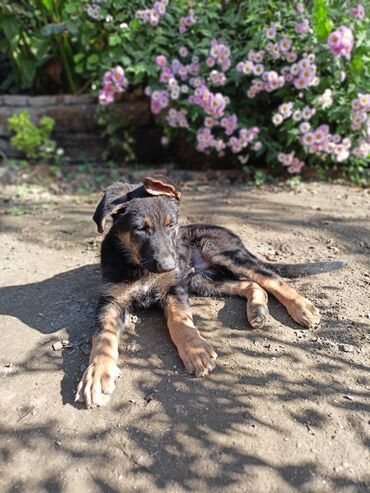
(147, 258)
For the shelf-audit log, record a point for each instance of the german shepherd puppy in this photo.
(147, 258)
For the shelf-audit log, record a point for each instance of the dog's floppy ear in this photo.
(113, 200)
(159, 185)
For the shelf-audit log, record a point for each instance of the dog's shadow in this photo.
(65, 301)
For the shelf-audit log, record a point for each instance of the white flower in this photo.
(277, 119)
(304, 127)
(325, 100)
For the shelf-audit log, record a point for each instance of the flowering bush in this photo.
(273, 81)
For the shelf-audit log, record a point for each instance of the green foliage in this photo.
(56, 46)
(34, 140)
(321, 19)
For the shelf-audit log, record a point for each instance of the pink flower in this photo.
(296, 166)
(114, 82)
(187, 21)
(271, 32)
(248, 68)
(285, 44)
(166, 75)
(161, 61)
(340, 42)
(358, 12)
(309, 138)
(291, 56)
(155, 106)
(304, 127)
(299, 7)
(300, 83)
(258, 69)
(230, 124)
(302, 27)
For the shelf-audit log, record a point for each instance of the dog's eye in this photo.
(170, 226)
(143, 229)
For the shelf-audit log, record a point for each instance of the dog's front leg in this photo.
(196, 353)
(98, 381)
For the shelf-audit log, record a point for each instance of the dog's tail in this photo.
(301, 270)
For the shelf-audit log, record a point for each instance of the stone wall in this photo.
(76, 128)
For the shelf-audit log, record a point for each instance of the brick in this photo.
(14, 101)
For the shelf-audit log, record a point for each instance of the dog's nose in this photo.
(166, 264)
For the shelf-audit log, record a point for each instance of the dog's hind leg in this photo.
(228, 252)
(196, 353)
(98, 381)
(256, 296)
(257, 308)
(299, 307)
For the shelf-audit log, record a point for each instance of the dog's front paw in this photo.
(98, 382)
(304, 312)
(198, 357)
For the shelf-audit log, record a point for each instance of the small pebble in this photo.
(57, 346)
(347, 348)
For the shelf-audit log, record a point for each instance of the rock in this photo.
(347, 348)
(57, 346)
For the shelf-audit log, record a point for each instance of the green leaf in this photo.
(320, 19)
(11, 28)
(78, 57)
(93, 59)
(48, 4)
(114, 40)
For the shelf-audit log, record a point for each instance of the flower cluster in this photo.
(293, 164)
(153, 15)
(177, 118)
(358, 12)
(286, 110)
(340, 42)
(219, 55)
(212, 104)
(217, 78)
(360, 111)
(322, 143)
(325, 100)
(207, 140)
(362, 150)
(158, 101)
(198, 85)
(187, 21)
(93, 10)
(114, 82)
(302, 75)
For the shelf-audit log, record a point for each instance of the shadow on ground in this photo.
(166, 429)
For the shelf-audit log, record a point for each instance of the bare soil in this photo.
(286, 409)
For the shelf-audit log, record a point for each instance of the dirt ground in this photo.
(286, 409)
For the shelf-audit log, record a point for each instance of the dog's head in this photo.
(145, 221)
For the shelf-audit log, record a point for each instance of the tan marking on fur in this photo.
(257, 308)
(127, 240)
(196, 353)
(98, 380)
(299, 307)
(168, 220)
(124, 292)
(149, 223)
